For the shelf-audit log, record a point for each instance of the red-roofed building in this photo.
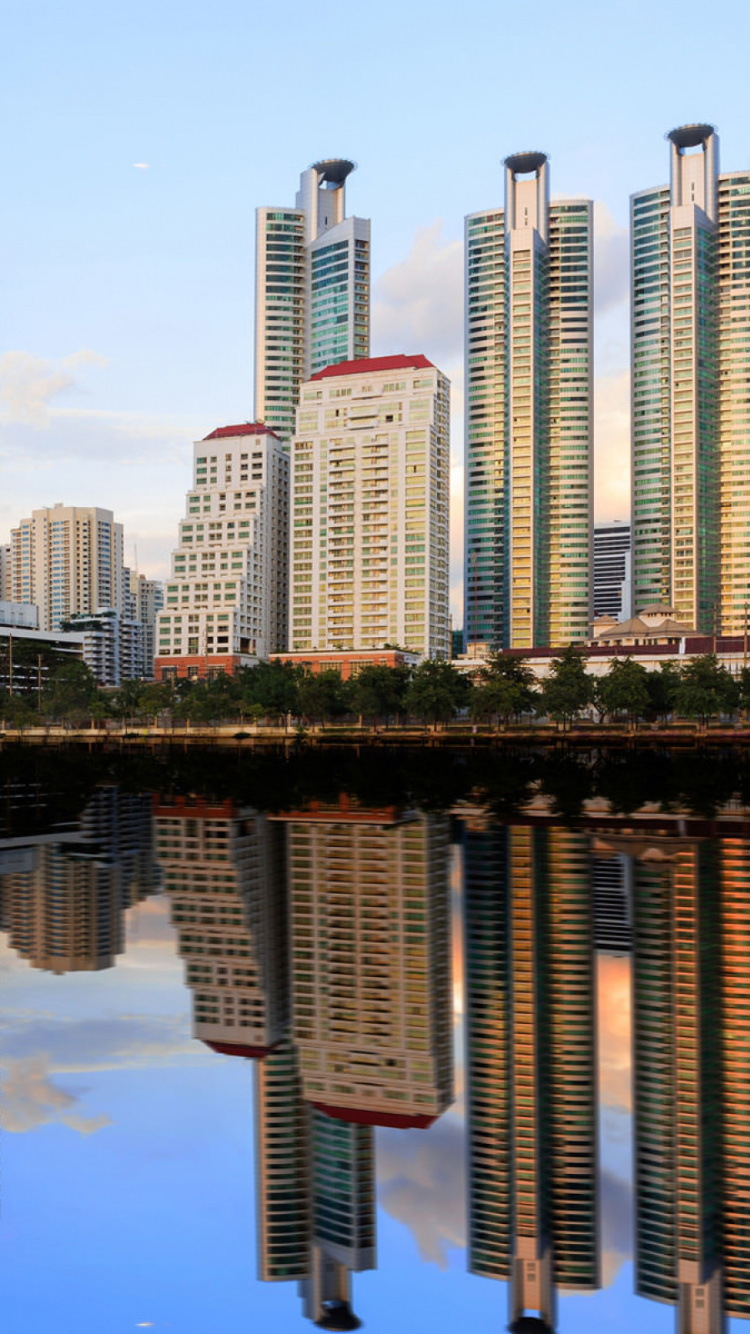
(226, 603)
(374, 365)
(370, 502)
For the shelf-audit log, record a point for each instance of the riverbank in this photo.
(451, 735)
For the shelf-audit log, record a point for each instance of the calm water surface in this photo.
(423, 1043)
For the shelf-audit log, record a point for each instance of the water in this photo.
(423, 1040)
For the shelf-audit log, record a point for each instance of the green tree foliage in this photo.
(322, 695)
(436, 690)
(273, 686)
(378, 692)
(504, 688)
(71, 693)
(624, 689)
(662, 690)
(706, 689)
(568, 689)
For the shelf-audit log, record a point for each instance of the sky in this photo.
(144, 135)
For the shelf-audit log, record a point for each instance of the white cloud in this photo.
(142, 166)
(28, 383)
(611, 277)
(121, 1042)
(418, 303)
(30, 1100)
(422, 1179)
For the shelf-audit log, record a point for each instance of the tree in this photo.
(436, 690)
(504, 688)
(321, 695)
(568, 689)
(378, 691)
(662, 690)
(706, 689)
(625, 689)
(70, 693)
(274, 686)
(126, 703)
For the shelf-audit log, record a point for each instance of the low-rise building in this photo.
(113, 646)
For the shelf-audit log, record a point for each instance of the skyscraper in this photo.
(529, 438)
(312, 291)
(369, 493)
(67, 559)
(612, 571)
(226, 603)
(691, 394)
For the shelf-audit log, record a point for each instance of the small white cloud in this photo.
(30, 1099)
(611, 274)
(422, 1180)
(142, 166)
(418, 303)
(28, 383)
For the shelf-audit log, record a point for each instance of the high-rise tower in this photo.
(691, 424)
(529, 362)
(312, 291)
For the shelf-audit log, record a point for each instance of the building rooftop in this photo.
(244, 428)
(371, 366)
(334, 170)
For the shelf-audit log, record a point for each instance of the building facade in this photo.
(690, 243)
(370, 499)
(531, 1065)
(144, 599)
(226, 602)
(612, 571)
(68, 559)
(529, 434)
(6, 582)
(114, 647)
(369, 909)
(223, 868)
(312, 291)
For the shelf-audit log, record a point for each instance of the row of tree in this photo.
(433, 692)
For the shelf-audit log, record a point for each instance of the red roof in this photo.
(371, 365)
(245, 428)
(364, 1117)
(237, 1049)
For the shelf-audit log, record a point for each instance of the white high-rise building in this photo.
(529, 422)
(144, 599)
(370, 483)
(67, 559)
(226, 602)
(691, 396)
(312, 291)
(5, 579)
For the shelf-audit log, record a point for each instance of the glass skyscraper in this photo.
(529, 437)
(691, 393)
(312, 291)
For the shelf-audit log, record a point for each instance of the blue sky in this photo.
(127, 321)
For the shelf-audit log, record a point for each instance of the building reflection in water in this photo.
(531, 1068)
(317, 943)
(63, 894)
(360, 1036)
